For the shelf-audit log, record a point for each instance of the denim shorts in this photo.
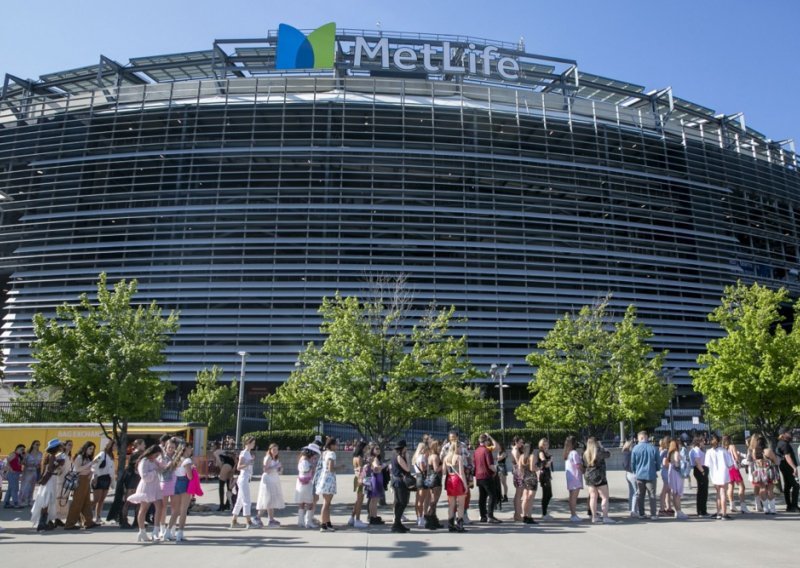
(181, 484)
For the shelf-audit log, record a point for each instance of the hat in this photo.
(314, 448)
(53, 444)
(401, 445)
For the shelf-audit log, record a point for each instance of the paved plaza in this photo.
(753, 540)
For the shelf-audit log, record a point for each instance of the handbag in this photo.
(194, 487)
(410, 482)
(70, 481)
(594, 476)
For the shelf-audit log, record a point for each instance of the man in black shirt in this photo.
(788, 468)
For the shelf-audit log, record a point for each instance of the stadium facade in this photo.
(240, 190)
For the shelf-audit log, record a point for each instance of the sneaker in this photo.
(466, 520)
(359, 524)
(681, 515)
(323, 528)
(654, 517)
(575, 519)
(609, 521)
(547, 517)
(350, 521)
(403, 519)
(421, 523)
(496, 521)
(634, 515)
(330, 527)
(274, 523)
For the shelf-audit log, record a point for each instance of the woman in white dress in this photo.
(62, 503)
(718, 461)
(43, 512)
(326, 484)
(270, 494)
(245, 468)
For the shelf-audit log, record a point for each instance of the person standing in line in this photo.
(485, 470)
(103, 478)
(645, 465)
(595, 457)
(168, 463)
(81, 507)
(735, 475)
(181, 499)
(62, 496)
(698, 459)
(326, 484)
(435, 483)
(516, 475)
(665, 509)
(630, 477)
(316, 461)
(530, 482)
(675, 478)
(31, 466)
(303, 491)
(467, 462)
(573, 466)
(456, 488)
(270, 494)
(545, 476)
(43, 511)
(148, 492)
(14, 472)
(372, 480)
(788, 468)
(131, 480)
(763, 474)
(502, 471)
(245, 468)
(225, 465)
(419, 465)
(358, 486)
(719, 462)
(400, 469)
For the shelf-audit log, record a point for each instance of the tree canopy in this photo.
(592, 373)
(752, 372)
(213, 403)
(377, 375)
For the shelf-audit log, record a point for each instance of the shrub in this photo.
(292, 439)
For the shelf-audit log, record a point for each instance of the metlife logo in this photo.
(295, 50)
(298, 51)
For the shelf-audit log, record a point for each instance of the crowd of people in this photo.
(68, 489)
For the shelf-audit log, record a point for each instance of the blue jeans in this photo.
(633, 492)
(12, 494)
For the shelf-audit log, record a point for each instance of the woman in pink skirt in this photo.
(736, 475)
(148, 491)
(674, 478)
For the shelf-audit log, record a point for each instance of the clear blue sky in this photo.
(728, 55)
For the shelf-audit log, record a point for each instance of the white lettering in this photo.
(487, 59)
(447, 55)
(426, 58)
(472, 59)
(371, 53)
(507, 65)
(405, 59)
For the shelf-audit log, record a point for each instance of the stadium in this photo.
(242, 183)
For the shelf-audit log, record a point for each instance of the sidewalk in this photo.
(748, 538)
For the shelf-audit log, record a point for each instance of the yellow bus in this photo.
(11, 435)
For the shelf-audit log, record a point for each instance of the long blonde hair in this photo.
(590, 454)
(452, 454)
(422, 448)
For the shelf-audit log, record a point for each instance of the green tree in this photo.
(100, 356)
(592, 373)
(212, 403)
(39, 405)
(372, 374)
(753, 371)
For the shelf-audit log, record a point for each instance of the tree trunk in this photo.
(115, 513)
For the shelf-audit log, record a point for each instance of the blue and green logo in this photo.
(296, 51)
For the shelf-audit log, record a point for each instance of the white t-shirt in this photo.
(181, 471)
(247, 459)
(718, 461)
(109, 467)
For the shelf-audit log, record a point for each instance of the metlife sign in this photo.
(317, 50)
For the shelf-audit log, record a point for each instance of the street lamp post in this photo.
(499, 376)
(239, 408)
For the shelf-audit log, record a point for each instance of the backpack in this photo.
(686, 465)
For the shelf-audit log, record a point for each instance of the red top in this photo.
(483, 459)
(15, 464)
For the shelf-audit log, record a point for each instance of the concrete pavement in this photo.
(748, 539)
